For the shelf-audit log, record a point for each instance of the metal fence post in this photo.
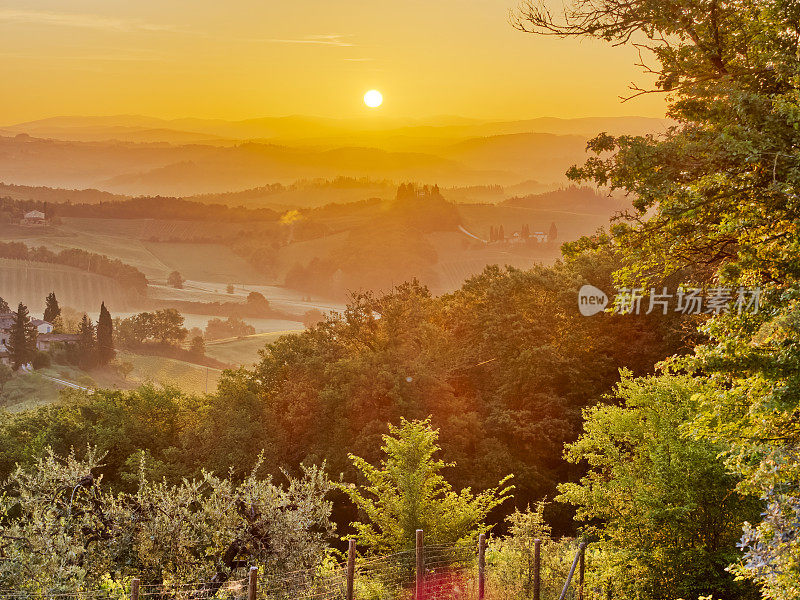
(481, 565)
(252, 583)
(581, 570)
(351, 567)
(537, 571)
(135, 589)
(568, 582)
(420, 567)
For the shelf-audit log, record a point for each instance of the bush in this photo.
(42, 360)
(5, 374)
(196, 530)
(232, 327)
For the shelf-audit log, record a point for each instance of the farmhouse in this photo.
(45, 338)
(33, 218)
(45, 341)
(539, 236)
(6, 320)
(42, 326)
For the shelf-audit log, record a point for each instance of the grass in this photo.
(188, 377)
(28, 390)
(243, 350)
(30, 282)
(205, 262)
(303, 252)
(102, 236)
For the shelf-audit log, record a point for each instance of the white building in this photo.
(33, 217)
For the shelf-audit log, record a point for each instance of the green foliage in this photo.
(197, 346)
(127, 276)
(105, 336)
(21, 342)
(408, 492)
(175, 279)
(509, 568)
(5, 374)
(503, 366)
(512, 558)
(752, 413)
(230, 327)
(41, 360)
(23, 390)
(87, 344)
(163, 326)
(661, 503)
(52, 310)
(64, 531)
(715, 201)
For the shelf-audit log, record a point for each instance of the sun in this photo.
(373, 98)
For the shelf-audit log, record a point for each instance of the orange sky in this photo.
(247, 58)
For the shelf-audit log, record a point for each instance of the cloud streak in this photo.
(322, 40)
(77, 20)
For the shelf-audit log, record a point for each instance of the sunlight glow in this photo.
(373, 98)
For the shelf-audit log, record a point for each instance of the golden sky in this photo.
(237, 59)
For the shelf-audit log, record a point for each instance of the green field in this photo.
(205, 262)
(167, 371)
(303, 252)
(244, 350)
(125, 239)
(30, 390)
(26, 391)
(29, 282)
(115, 238)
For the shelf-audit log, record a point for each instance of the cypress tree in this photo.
(105, 336)
(22, 338)
(4, 308)
(553, 233)
(52, 310)
(87, 346)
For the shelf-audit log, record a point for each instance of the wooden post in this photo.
(581, 569)
(481, 565)
(537, 563)
(351, 567)
(135, 589)
(252, 583)
(420, 567)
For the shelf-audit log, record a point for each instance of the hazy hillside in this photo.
(542, 156)
(56, 195)
(303, 193)
(382, 132)
(136, 155)
(192, 169)
(570, 199)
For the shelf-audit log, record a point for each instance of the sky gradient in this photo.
(248, 58)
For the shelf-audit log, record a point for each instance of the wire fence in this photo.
(435, 572)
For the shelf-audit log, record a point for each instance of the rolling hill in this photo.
(30, 282)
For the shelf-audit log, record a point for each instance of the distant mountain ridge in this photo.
(319, 130)
(137, 155)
